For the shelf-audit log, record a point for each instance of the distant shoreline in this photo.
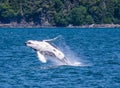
(15, 25)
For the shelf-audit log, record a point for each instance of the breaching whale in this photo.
(44, 48)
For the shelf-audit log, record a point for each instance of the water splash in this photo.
(72, 58)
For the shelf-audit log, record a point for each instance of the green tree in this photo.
(117, 12)
(78, 15)
(58, 5)
(89, 20)
(60, 12)
(60, 20)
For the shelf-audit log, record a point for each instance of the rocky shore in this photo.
(47, 25)
(97, 26)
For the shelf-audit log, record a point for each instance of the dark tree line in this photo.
(60, 12)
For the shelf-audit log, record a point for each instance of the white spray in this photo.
(72, 59)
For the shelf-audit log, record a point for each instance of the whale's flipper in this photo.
(41, 57)
(50, 40)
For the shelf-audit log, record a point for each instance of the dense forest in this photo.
(60, 12)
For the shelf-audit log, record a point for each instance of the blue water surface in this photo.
(98, 49)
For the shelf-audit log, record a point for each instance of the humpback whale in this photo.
(44, 48)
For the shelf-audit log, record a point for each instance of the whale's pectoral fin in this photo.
(50, 40)
(41, 57)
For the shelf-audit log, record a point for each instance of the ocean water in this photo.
(97, 49)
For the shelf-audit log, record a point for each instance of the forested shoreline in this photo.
(60, 13)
